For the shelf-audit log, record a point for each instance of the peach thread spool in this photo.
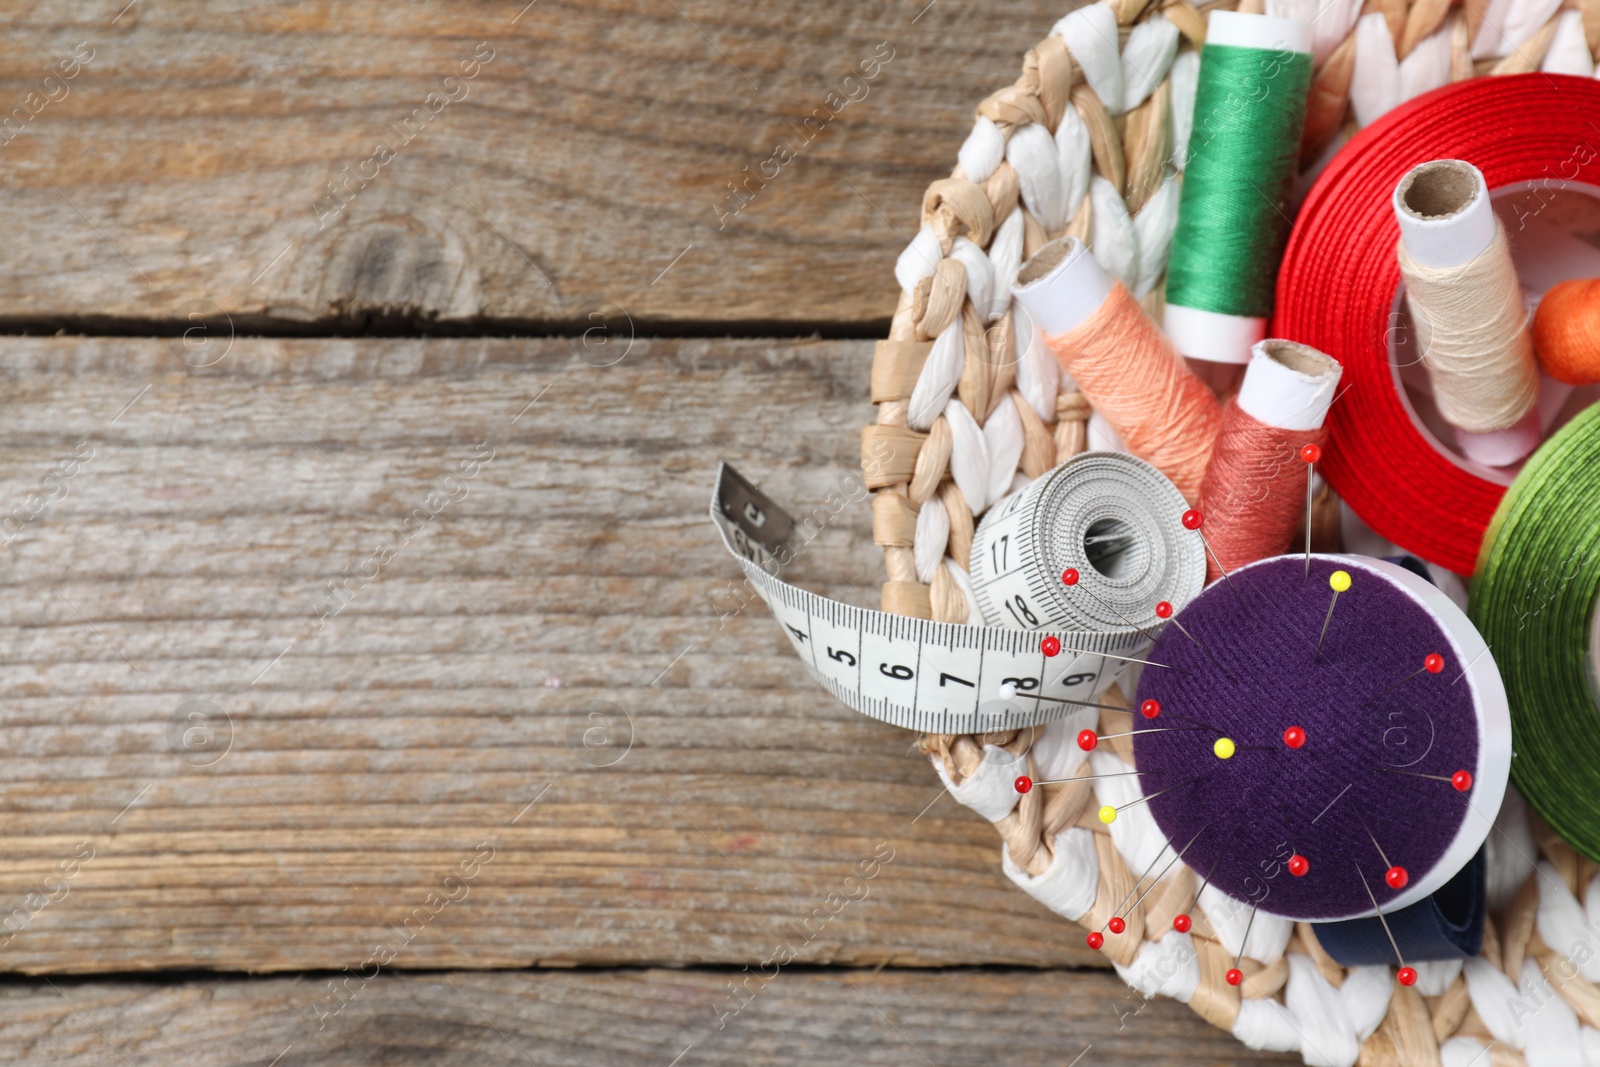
(1566, 332)
(1256, 480)
(1465, 301)
(1122, 362)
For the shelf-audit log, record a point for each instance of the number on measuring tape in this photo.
(933, 676)
(836, 652)
(1022, 612)
(952, 679)
(1077, 678)
(797, 627)
(889, 667)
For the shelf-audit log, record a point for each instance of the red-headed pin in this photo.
(1294, 737)
(1182, 923)
(1116, 925)
(1432, 663)
(1023, 783)
(1087, 739)
(1406, 975)
(1050, 646)
(1299, 865)
(1095, 939)
(1312, 454)
(1152, 707)
(1164, 611)
(1235, 975)
(1193, 520)
(1070, 576)
(1461, 781)
(1395, 877)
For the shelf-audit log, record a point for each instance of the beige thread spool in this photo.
(1466, 305)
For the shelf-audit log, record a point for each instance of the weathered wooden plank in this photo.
(481, 162)
(368, 755)
(684, 1017)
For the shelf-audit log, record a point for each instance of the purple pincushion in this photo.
(1329, 799)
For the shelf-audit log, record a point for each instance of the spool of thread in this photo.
(1535, 599)
(1255, 486)
(1367, 780)
(1337, 288)
(1566, 332)
(1121, 362)
(1466, 306)
(1249, 107)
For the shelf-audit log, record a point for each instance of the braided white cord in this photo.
(1059, 187)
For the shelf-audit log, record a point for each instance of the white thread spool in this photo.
(1062, 286)
(1446, 221)
(1288, 385)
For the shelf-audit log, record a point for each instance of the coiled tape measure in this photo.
(1113, 517)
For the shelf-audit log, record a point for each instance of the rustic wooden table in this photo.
(366, 684)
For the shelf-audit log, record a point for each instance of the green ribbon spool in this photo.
(1533, 600)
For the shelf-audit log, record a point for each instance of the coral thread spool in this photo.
(1250, 496)
(1121, 361)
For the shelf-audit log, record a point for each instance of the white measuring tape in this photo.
(1114, 518)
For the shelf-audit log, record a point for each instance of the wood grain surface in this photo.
(666, 1018)
(304, 164)
(395, 665)
(264, 789)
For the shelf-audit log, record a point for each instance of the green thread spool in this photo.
(1534, 601)
(1250, 105)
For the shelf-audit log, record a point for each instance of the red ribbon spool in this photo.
(1339, 275)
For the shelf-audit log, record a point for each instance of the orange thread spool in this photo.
(1566, 332)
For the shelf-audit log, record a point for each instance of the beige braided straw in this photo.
(1537, 981)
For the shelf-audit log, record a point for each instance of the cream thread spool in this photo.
(1466, 304)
